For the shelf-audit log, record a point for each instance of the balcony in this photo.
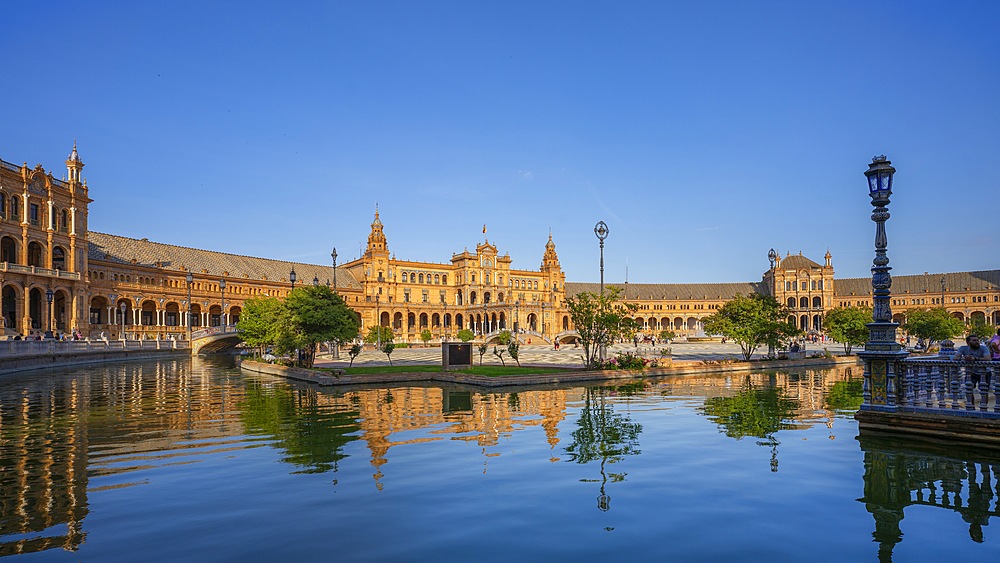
(37, 271)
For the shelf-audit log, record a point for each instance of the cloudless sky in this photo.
(703, 133)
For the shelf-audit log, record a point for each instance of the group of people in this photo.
(976, 351)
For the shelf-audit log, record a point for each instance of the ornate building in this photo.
(55, 273)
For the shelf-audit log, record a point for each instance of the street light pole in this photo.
(49, 294)
(942, 292)
(222, 313)
(122, 307)
(190, 278)
(291, 277)
(882, 352)
(378, 323)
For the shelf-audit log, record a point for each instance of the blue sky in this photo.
(703, 133)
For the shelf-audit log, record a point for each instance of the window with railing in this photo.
(33, 216)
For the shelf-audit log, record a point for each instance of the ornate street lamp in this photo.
(772, 256)
(122, 307)
(189, 278)
(315, 281)
(334, 256)
(222, 314)
(49, 294)
(517, 305)
(291, 277)
(882, 353)
(378, 323)
(942, 291)
(602, 232)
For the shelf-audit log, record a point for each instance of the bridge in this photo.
(214, 340)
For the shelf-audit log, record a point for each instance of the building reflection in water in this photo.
(901, 473)
(64, 437)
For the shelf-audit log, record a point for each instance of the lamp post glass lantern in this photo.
(882, 352)
(291, 277)
(602, 232)
(122, 307)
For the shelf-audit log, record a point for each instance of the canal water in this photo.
(195, 461)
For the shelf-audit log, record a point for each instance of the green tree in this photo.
(498, 352)
(483, 348)
(504, 337)
(667, 335)
(354, 352)
(514, 349)
(933, 325)
(425, 336)
(600, 320)
(258, 322)
(377, 334)
(751, 321)
(847, 325)
(465, 335)
(315, 314)
(387, 348)
(982, 330)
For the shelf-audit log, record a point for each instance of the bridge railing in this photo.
(15, 348)
(949, 387)
(212, 331)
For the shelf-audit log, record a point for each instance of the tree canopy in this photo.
(310, 315)
(932, 325)
(847, 325)
(600, 320)
(751, 321)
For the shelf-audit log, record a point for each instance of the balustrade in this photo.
(949, 387)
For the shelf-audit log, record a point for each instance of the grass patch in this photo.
(488, 371)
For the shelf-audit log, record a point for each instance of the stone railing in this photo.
(15, 348)
(18, 268)
(202, 333)
(949, 387)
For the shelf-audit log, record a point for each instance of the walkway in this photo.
(546, 356)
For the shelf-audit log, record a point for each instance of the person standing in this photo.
(994, 345)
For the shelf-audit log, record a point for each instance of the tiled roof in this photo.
(123, 250)
(929, 284)
(678, 291)
(798, 263)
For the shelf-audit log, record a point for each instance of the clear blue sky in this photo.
(703, 133)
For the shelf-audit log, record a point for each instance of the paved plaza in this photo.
(566, 356)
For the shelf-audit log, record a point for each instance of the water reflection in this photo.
(900, 474)
(604, 435)
(66, 435)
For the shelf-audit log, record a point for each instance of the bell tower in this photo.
(377, 245)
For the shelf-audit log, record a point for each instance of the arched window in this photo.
(437, 279)
(58, 259)
(820, 284)
(788, 286)
(804, 302)
(536, 285)
(3, 205)
(421, 278)
(817, 302)
(791, 302)
(64, 220)
(15, 208)
(444, 279)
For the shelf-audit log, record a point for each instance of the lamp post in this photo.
(517, 304)
(291, 277)
(222, 313)
(122, 307)
(315, 281)
(49, 294)
(334, 256)
(602, 232)
(189, 278)
(378, 323)
(942, 292)
(485, 319)
(882, 352)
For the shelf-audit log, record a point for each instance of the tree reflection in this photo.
(845, 396)
(604, 435)
(753, 411)
(312, 435)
